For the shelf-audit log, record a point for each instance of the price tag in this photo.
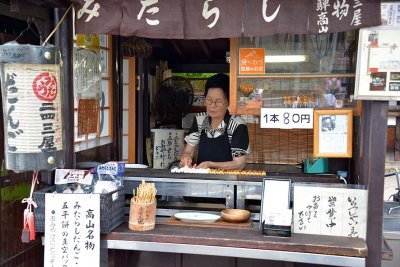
(287, 118)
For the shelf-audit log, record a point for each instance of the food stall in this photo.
(179, 244)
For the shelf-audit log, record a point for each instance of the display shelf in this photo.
(321, 82)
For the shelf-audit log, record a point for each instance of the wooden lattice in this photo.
(278, 146)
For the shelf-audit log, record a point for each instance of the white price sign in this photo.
(287, 118)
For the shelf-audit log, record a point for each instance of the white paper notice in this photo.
(72, 230)
(333, 134)
(330, 211)
(287, 118)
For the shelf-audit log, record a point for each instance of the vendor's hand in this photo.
(185, 161)
(204, 165)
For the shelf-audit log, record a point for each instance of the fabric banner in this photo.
(337, 16)
(269, 17)
(208, 19)
(100, 16)
(152, 18)
(212, 19)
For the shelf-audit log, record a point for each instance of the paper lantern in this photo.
(32, 108)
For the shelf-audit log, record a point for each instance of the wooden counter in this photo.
(240, 243)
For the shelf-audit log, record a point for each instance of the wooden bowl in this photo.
(235, 215)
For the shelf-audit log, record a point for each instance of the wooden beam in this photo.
(176, 47)
(50, 3)
(63, 39)
(116, 98)
(206, 50)
(132, 110)
(372, 157)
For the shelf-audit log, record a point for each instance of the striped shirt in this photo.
(235, 127)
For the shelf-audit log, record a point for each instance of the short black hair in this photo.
(219, 80)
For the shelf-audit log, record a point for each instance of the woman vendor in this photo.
(222, 139)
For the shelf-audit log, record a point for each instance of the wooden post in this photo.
(397, 140)
(372, 157)
(63, 39)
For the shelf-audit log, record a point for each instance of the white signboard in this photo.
(72, 230)
(330, 211)
(275, 199)
(287, 118)
(378, 64)
(168, 146)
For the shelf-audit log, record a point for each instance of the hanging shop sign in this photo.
(210, 19)
(32, 109)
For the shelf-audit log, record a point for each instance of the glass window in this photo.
(287, 70)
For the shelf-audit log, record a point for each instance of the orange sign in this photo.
(251, 61)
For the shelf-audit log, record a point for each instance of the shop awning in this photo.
(209, 19)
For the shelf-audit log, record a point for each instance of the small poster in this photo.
(88, 114)
(390, 14)
(287, 118)
(336, 211)
(378, 64)
(167, 148)
(333, 133)
(251, 61)
(72, 230)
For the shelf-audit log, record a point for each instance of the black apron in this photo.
(214, 149)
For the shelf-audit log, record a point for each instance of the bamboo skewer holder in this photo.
(142, 216)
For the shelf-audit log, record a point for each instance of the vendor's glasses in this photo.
(218, 102)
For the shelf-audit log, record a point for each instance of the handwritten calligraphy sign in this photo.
(333, 211)
(168, 146)
(72, 230)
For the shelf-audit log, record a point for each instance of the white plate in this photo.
(197, 217)
(136, 166)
